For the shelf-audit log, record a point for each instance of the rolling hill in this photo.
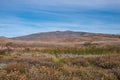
(66, 36)
(52, 36)
(62, 38)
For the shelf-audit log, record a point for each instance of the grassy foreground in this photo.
(39, 66)
(89, 63)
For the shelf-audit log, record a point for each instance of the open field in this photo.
(43, 66)
(60, 63)
(85, 58)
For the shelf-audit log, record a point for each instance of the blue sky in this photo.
(22, 17)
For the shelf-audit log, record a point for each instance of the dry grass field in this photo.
(43, 66)
(85, 59)
(60, 63)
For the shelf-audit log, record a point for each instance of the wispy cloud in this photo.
(59, 6)
(18, 27)
(21, 17)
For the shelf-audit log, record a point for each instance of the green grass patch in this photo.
(83, 51)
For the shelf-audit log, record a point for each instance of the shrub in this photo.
(14, 66)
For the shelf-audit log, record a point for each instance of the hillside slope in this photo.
(65, 36)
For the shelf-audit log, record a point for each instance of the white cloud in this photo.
(13, 24)
(18, 27)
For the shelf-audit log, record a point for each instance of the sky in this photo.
(23, 17)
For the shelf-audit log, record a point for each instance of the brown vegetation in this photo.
(90, 57)
(41, 66)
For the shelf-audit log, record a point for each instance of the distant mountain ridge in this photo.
(60, 36)
(52, 35)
